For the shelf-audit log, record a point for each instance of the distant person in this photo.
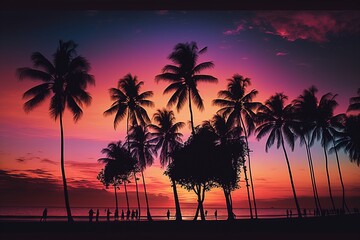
(44, 216)
(206, 213)
(108, 214)
(215, 214)
(137, 215)
(304, 212)
(128, 214)
(91, 214)
(290, 213)
(97, 215)
(168, 214)
(287, 213)
(116, 215)
(122, 215)
(132, 214)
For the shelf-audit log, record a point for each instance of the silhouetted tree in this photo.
(230, 155)
(119, 165)
(65, 79)
(326, 128)
(355, 102)
(276, 120)
(128, 101)
(143, 150)
(305, 107)
(184, 77)
(193, 165)
(166, 136)
(239, 107)
(349, 139)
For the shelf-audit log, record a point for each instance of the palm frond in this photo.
(33, 74)
(203, 66)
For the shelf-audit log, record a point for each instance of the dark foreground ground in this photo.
(336, 227)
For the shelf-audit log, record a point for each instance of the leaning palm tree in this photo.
(276, 120)
(166, 136)
(119, 165)
(184, 77)
(355, 102)
(65, 79)
(305, 107)
(143, 150)
(128, 101)
(326, 129)
(239, 107)
(350, 138)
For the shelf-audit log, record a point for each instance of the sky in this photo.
(280, 51)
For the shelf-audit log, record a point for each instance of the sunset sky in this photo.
(284, 51)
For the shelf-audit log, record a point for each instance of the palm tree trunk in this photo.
(248, 192)
(291, 178)
(197, 191)
(201, 206)
(344, 205)
(177, 203)
(146, 198)
(248, 154)
(136, 185)
(228, 204)
(191, 114)
(311, 172)
(127, 197)
(67, 204)
(328, 178)
(116, 199)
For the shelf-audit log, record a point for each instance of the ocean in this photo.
(81, 213)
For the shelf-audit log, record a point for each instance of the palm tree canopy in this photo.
(65, 78)
(236, 103)
(276, 119)
(128, 100)
(349, 140)
(141, 147)
(326, 124)
(305, 110)
(165, 135)
(355, 102)
(119, 164)
(185, 75)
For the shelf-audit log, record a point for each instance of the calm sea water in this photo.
(81, 213)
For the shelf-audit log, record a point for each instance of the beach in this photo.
(331, 227)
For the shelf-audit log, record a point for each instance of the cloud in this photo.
(20, 160)
(240, 27)
(48, 161)
(307, 25)
(279, 54)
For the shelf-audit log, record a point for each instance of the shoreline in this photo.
(330, 227)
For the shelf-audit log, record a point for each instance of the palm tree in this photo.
(184, 77)
(350, 138)
(66, 80)
(119, 166)
(355, 102)
(166, 137)
(305, 107)
(276, 120)
(239, 107)
(326, 129)
(143, 150)
(129, 101)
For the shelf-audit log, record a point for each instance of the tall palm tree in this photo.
(305, 107)
(355, 102)
(128, 101)
(276, 120)
(239, 107)
(65, 79)
(119, 165)
(143, 150)
(350, 138)
(166, 136)
(184, 77)
(326, 128)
